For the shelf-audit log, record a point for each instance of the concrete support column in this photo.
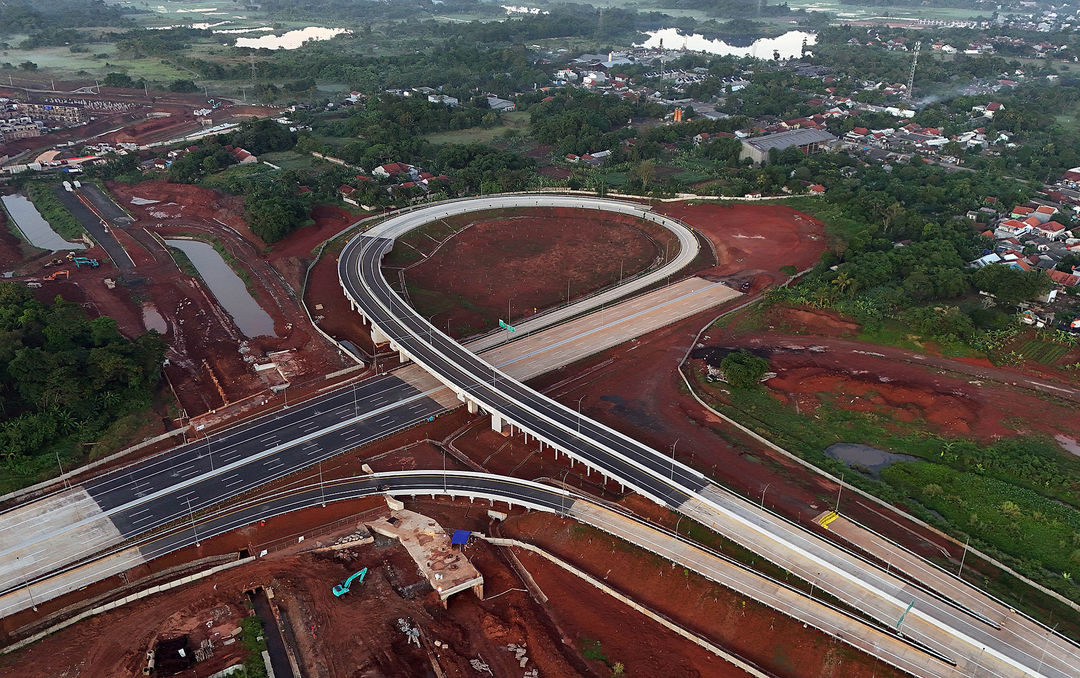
(377, 336)
(496, 422)
(402, 357)
(472, 406)
(479, 590)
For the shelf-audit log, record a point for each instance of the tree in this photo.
(1011, 285)
(115, 79)
(645, 171)
(183, 85)
(743, 369)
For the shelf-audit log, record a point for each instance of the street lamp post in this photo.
(763, 494)
(579, 413)
(209, 452)
(564, 508)
(61, 467)
(191, 514)
(673, 459)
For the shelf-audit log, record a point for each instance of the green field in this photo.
(288, 160)
(513, 121)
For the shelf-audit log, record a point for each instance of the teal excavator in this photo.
(343, 588)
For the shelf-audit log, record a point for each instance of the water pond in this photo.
(229, 289)
(865, 458)
(788, 46)
(290, 39)
(34, 226)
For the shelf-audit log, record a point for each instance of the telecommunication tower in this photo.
(911, 76)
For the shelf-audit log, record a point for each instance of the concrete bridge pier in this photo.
(377, 336)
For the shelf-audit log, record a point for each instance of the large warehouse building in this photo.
(807, 140)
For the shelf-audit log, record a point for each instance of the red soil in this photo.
(527, 259)
(811, 321)
(198, 329)
(754, 239)
(292, 255)
(968, 398)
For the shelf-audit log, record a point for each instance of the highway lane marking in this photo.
(233, 480)
(108, 483)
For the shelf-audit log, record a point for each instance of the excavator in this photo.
(343, 588)
(53, 276)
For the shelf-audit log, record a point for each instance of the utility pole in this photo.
(838, 491)
(961, 571)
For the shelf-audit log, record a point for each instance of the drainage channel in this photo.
(275, 645)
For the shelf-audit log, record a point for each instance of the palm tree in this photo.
(844, 282)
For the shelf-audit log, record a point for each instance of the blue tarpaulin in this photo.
(460, 538)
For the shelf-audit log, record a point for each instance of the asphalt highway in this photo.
(154, 492)
(937, 623)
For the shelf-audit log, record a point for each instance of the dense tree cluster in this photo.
(25, 16)
(66, 378)
(578, 121)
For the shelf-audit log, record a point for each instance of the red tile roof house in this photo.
(391, 169)
(347, 194)
(1062, 278)
(242, 156)
(1044, 212)
(1019, 212)
(1051, 229)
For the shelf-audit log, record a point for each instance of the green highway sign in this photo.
(506, 327)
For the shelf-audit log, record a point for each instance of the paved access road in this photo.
(97, 229)
(969, 641)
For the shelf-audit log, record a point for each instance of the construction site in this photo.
(421, 585)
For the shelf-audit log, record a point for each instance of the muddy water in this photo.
(152, 320)
(291, 39)
(865, 457)
(34, 226)
(1069, 444)
(229, 289)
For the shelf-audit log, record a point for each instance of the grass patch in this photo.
(1013, 519)
(60, 219)
(255, 643)
(1038, 533)
(182, 262)
(289, 160)
(514, 121)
